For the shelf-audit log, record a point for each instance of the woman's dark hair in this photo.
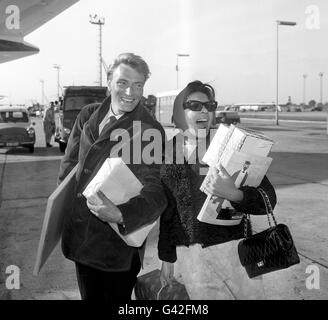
(198, 86)
(178, 110)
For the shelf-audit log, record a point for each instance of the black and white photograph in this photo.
(118, 122)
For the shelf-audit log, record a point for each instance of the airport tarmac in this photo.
(299, 173)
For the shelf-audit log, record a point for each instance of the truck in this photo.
(75, 98)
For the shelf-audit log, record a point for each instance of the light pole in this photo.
(177, 65)
(42, 92)
(280, 23)
(100, 21)
(56, 66)
(320, 75)
(304, 88)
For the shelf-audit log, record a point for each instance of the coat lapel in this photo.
(96, 118)
(125, 122)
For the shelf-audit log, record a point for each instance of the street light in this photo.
(304, 88)
(177, 65)
(100, 21)
(42, 92)
(56, 66)
(320, 75)
(280, 23)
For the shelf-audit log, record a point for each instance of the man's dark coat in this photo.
(86, 239)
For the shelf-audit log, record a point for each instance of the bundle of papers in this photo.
(243, 153)
(118, 183)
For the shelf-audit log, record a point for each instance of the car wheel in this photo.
(31, 148)
(62, 147)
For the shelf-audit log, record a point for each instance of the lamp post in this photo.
(304, 88)
(177, 65)
(56, 66)
(320, 75)
(100, 21)
(42, 92)
(280, 23)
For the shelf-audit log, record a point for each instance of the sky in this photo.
(232, 44)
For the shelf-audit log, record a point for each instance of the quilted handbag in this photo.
(267, 251)
(148, 287)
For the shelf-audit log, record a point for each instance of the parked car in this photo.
(317, 108)
(16, 129)
(227, 117)
(75, 98)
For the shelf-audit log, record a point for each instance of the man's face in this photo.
(126, 87)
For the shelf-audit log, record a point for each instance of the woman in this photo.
(204, 255)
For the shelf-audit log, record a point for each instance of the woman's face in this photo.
(198, 119)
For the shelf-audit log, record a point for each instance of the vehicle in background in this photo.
(75, 98)
(16, 129)
(164, 106)
(227, 117)
(317, 108)
(242, 107)
(251, 108)
(293, 108)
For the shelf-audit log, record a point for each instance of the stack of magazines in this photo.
(244, 155)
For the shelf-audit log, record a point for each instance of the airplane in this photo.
(257, 106)
(19, 18)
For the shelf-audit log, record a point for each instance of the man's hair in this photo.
(133, 61)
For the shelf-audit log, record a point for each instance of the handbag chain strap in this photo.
(268, 207)
(269, 212)
(247, 221)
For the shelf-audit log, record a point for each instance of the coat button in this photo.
(86, 171)
(79, 195)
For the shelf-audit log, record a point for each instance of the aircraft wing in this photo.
(19, 18)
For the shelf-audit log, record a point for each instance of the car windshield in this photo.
(78, 102)
(13, 116)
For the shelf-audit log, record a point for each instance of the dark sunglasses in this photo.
(198, 106)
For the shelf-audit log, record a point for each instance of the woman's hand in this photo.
(220, 183)
(107, 211)
(167, 272)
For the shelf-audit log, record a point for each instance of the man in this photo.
(49, 123)
(150, 105)
(106, 266)
(241, 176)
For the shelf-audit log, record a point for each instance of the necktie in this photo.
(107, 123)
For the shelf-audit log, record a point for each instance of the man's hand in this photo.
(107, 211)
(221, 184)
